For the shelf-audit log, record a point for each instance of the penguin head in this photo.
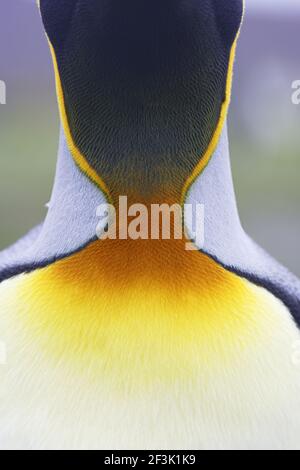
(142, 84)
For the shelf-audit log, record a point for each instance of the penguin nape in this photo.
(141, 344)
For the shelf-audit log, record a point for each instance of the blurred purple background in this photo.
(264, 124)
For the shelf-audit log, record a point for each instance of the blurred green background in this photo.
(264, 125)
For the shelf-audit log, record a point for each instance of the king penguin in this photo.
(142, 344)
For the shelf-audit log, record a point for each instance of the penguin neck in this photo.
(75, 194)
(161, 263)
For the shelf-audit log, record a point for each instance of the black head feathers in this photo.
(57, 19)
(57, 14)
(144, 83)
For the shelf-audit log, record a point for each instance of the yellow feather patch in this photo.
(131, 314)
(137, 348)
